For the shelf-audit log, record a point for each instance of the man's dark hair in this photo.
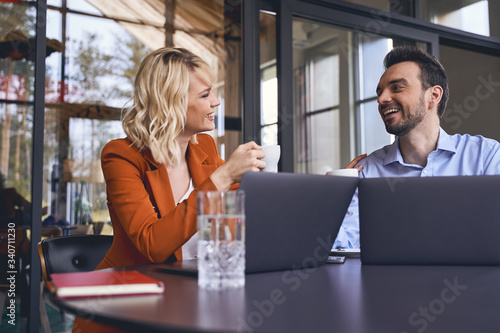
(432, 72)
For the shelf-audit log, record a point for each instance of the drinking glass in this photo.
(221, 244)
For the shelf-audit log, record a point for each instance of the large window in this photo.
(90, 81)
(318, 71)
(336, 72)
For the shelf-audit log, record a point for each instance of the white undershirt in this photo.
(190, 248)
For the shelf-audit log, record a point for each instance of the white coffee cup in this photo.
(272, 157)
(344, 172)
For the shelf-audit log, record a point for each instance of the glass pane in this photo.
(321, 58)
(54, 28)
(82, 172)
(269, 135)
(379, 4)
(53, 63)
(102, 60)
(74, 186)
(54, 3)
(324, 77)
(15, 159)
(476, 16)
(324, 142)
(269, 81)
(269, 96)
(371, 58)
(403, 7)
(54, 83)
(474, 92)
(82, 6)
(17, 32)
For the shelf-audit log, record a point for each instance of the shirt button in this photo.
(424, 172)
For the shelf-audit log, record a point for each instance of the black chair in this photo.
(68, 254)
(77, 253)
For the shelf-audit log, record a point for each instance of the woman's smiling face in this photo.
(201, 103)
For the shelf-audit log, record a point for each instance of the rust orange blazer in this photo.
(147, 225)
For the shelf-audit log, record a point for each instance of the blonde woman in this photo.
(151, 175)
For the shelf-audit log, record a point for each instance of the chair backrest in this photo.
(76, 253)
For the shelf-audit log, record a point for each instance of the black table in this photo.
(346, 297)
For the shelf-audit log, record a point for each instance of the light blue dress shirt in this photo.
(455, 155)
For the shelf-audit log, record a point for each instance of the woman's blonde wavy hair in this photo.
(158, 113)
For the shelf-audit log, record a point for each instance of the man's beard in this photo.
(409, 121)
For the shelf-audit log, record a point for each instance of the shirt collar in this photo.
(393, 154)
(444, 143)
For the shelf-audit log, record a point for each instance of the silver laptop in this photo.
(431, 220)
(291, 220)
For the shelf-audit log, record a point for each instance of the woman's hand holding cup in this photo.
(247, 157)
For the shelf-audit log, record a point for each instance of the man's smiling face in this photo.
(401, 98)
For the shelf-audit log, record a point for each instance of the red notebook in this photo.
(103, 283)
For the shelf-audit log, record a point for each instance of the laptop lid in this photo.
(431, 220)
(292, 220)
